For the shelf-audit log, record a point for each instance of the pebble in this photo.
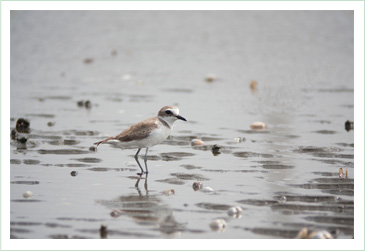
(103, 231)
(197, 142)
(93, 148)
(235, 212)
(218, 225)
(115, 213)
(114, 52)
(258, 125)
(253, 85)
(349, 125)
(27, 194)
(282, 199)
(51, 123)
(22, 140)
(210, 78)
(82, 103)
(216, 150)
(88, 60)
(22, 125)
(13, 134)
(197, 185)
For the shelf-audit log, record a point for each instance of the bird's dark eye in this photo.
(168, 112)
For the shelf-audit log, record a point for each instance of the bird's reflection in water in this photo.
(145, 185)
(146, 209)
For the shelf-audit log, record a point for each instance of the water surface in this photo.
(127, 65)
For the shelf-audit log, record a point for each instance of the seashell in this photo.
(197, 142)
(258, 125)
(218, 225)
(27, 194)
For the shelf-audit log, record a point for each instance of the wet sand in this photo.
(128, 64)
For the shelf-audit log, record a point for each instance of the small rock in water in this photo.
(349, 125)
(218, 225)
(103, 231)
(115, 213)
(13, 134)
(22, 125)
(74, 173)
(114, 52)
(210, 78)
(88, 60)
(197, 185)
(197, 142)
(216, 150)
(22, 140)
(235, 212)
(93, 148)
(282, 199)
(27, 194)
(88, 104)
(258, 125)
(253, 85)
(82, 103)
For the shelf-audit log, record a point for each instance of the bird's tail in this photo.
(104, 141)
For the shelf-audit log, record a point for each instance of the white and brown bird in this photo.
(146, 133)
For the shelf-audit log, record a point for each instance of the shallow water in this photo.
(130, 64)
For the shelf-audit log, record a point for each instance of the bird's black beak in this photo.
(181, 117)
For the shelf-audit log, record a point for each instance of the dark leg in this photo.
(136, 158)
(145, 160)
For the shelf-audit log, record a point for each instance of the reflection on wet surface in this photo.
(285, 176)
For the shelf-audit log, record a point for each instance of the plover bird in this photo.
(146, 133)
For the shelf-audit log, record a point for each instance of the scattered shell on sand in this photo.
(218, 225)
(320, 234)
(197, 185)
(235, 212)
(253, 85)
(258, 125)
(210, 78)
(27, 194)
(197, 142)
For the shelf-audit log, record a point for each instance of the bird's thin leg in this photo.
(145, 160)
(136, 158)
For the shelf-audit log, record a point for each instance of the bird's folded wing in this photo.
(138, 131)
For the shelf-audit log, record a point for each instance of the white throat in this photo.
(167, 121)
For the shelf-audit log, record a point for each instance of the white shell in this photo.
(218, 225)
